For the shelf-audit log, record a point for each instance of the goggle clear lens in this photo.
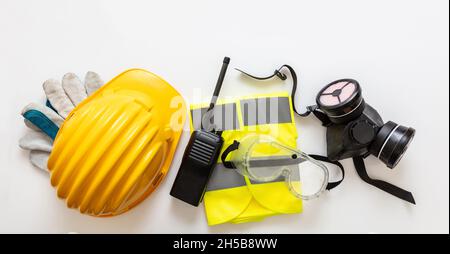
(265, 160)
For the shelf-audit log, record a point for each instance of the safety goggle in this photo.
(262, 159)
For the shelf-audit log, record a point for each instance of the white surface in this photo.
(397, 50)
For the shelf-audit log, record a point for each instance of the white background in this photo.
(397, 50)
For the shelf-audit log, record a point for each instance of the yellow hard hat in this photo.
(116, 146)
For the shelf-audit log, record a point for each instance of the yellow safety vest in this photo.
(230, 197)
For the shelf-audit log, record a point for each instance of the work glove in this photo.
(45, 120)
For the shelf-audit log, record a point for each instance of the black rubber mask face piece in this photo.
(356, 130)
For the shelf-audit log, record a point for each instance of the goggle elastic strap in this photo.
(228, 150)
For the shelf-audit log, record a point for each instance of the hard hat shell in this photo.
(116, 146)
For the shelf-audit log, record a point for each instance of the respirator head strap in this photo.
(310, 109)
(282, 76)
(385, 186)
(318, 114)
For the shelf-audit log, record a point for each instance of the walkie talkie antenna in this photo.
(217, 89)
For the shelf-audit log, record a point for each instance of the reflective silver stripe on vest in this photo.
(224, 117)
(255, 111)
(224, 178)
(267, 110)
(273, 161)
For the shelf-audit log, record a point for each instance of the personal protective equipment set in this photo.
(107, 147)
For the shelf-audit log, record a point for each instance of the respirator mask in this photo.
(355, 129)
